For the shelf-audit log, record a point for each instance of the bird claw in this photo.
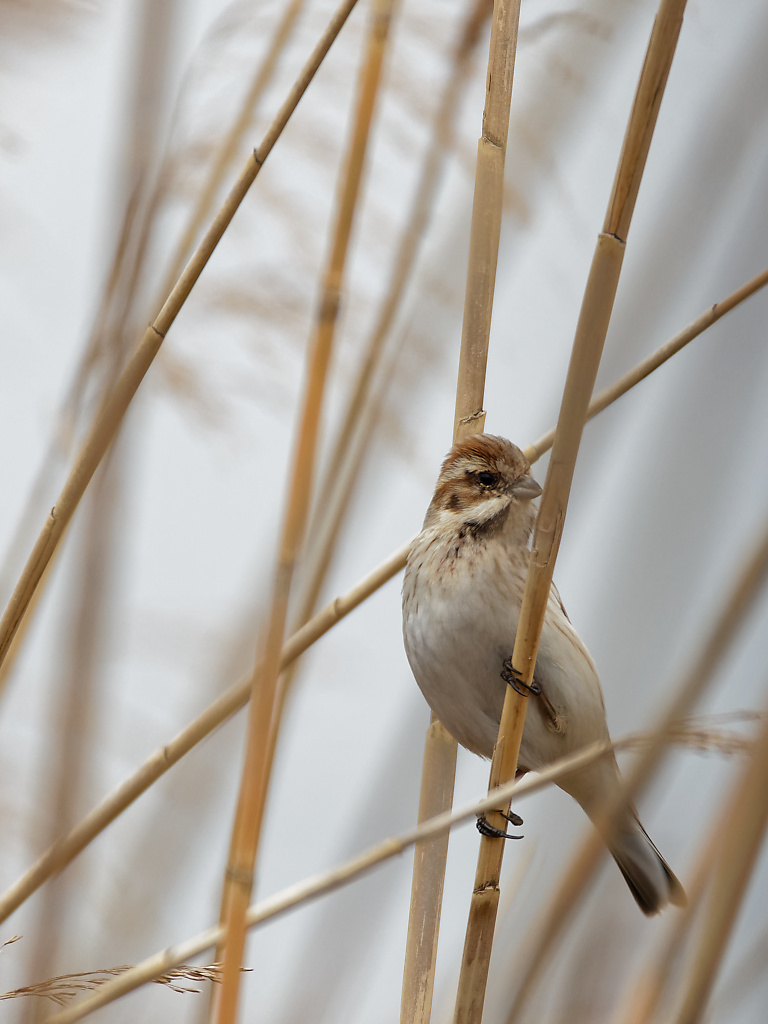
(513, 678)
(485, 828)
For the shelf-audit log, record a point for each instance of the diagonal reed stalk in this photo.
(747, 585)
(589, 340)
(65, 850)
(647, 990)
(742, 834)
(255, 777)
(231, 701)
(657, 358)
(110, 415)
(347, 872)
(715, 892)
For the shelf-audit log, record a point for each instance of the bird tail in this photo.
(650, 879)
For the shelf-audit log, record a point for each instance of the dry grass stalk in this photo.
(341, 875)
(657, 358)
(438, 776)
(439, 766)
(588, 344)
(110, 415)
(748, 583)
(255, 776)
(486, 221)
(66, 849)
(742, 834)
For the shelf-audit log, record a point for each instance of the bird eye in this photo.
(487, 479)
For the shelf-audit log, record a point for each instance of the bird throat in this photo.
(486, 528)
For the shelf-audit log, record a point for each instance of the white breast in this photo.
(460, 610)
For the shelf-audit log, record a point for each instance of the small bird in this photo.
(462, 593)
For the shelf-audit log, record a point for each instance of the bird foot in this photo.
(512, 677)
(485, 828)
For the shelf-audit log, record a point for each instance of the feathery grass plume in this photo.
(65, 987)
(111, 413)
(228, 149)
(68, 756)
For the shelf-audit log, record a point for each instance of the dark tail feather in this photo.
(650, 879)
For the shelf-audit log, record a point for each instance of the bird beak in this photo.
(526, 488)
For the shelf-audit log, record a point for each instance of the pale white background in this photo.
(669, 493)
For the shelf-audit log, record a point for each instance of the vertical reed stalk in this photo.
(110, 416)
(439, 766)
(255, 777)
(587, 349)
(486, 221)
